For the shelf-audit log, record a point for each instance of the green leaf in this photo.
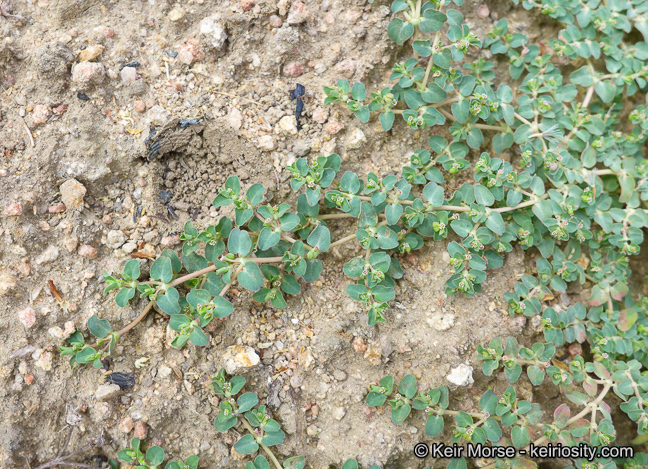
(433, 21)
(222, 308)
(247, 401)
(162, 269)
(268, 238)
(169, 301)
(520, 437)
(99, 327)
(246, 445)
(407, 386)
(483, 196)
(358, 92)
(433, 193)
(399, 415)
(434, 425)
(495, 223)
(132, 270)
(124, 296)
(457, 463)
(461, 227)
(239, 242)
(250, 277)
(606, 90)
(297, 462)
(273, 438)
(399, 31)
(350, 464)
(386, 120)
(320, 238)
(155, 455)
(198, 337)
(255, 194)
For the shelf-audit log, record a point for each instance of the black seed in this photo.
(131, 64)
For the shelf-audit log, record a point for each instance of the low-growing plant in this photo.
(152, 458)
(565, 178)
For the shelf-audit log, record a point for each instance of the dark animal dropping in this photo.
(131, 64)
(123, 380)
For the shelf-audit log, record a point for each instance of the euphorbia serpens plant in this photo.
(556, 150)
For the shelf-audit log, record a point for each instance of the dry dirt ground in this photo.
(232, 64)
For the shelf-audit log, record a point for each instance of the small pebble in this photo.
(88, 73)
(275, 21)
(106, 392)
(72, 194)
(176, 14)
(128, 75)
(126, 425)
(13, 210)
(298, 13)
(267, 143)
(27, 316)
(141, 430)
(24, 269)
(189, 52)
(87, 251)
(40, 115)
(294, 69)
(333, 127)
(70, 243)
(57, 208)
(483, 11)
(247, 5)
(139, 106)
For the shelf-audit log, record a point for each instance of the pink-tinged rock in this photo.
(60, 109)
(169, 241)
(347, 67)
(58, 208)
(483, 11)
(128, 75)
(320, 115)
(27, 316)
(24, 269)
(275, 21)
(141, 431)
(88, 73)
(333, 127)
(189, 52)
(294, 69)
(139, 106)
(87, 251)
(247, 5)
(40, 115)
(13, 210)
(298, 13)
(126, 425)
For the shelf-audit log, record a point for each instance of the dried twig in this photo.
(63, 460)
